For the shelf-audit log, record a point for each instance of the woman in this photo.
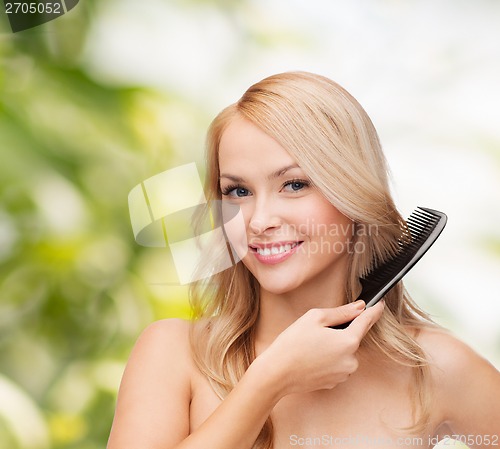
(260, 367)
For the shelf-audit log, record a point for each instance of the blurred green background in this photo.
(72, 298)
(112, 93)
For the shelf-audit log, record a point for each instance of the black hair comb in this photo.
(423, 228)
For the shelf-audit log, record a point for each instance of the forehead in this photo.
(244, 145)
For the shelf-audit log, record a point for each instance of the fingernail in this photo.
(359, 304)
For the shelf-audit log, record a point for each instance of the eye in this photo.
(295, 185)
(235, 191)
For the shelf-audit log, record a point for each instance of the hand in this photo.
(309, 356)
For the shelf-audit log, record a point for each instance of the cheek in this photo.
(323, 219)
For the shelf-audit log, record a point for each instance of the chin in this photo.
(278, 289)
(278, 283)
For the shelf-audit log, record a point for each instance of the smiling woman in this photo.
(301, 160)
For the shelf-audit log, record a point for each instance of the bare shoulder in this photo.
(163, 350)
(163, 341)
(156, 385)
(164, 332)
(466, 385)
(447, 354)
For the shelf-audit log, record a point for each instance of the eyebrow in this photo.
(273, 175)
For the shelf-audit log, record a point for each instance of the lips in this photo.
(274, 252)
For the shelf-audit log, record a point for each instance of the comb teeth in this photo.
(422, 229)
(420, 224)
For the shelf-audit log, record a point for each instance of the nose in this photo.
(265, 216)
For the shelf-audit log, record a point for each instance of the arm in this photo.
(152, 410)
(468, 391)
(153, 403)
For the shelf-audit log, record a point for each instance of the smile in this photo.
(276, 249)
(275, 253)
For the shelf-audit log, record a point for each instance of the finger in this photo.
(363, 323)
(342, 314)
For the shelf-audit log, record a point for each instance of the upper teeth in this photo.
(276, 249)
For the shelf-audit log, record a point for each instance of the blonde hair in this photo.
(334, 141)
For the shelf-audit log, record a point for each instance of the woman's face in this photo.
(292, 234)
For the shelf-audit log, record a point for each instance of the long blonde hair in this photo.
(334, 141)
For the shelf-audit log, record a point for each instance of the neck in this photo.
(279, 310)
